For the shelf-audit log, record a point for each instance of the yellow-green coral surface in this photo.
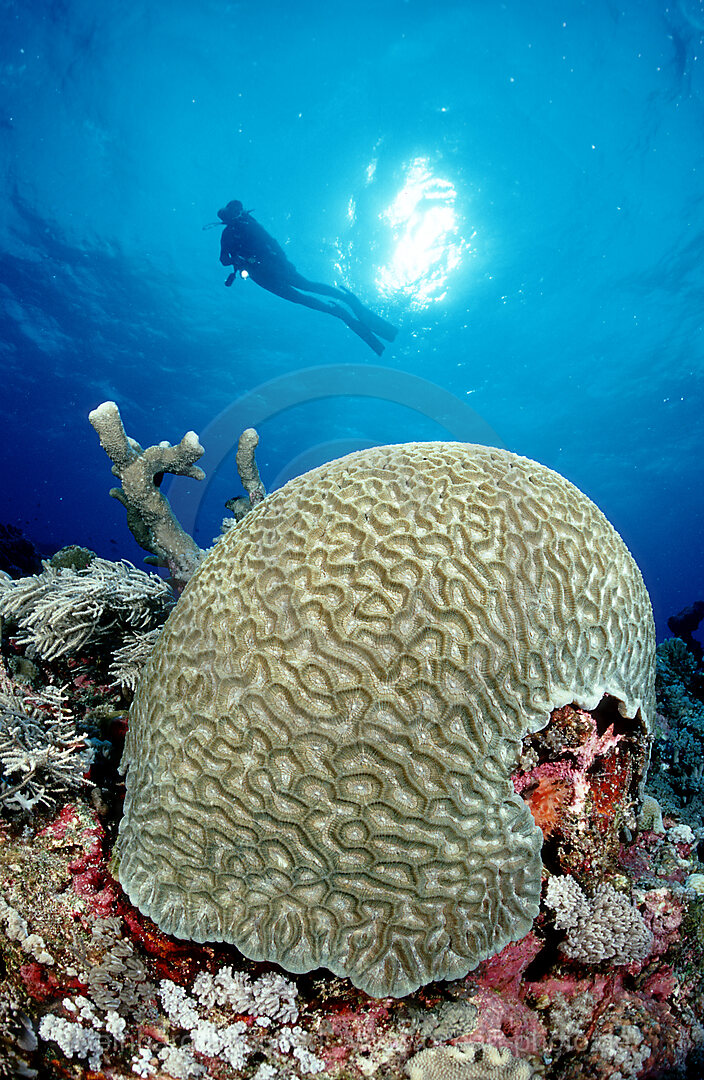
(319, 753)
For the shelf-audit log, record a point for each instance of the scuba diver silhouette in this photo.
(251, 252)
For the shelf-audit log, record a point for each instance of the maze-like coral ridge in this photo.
(319, 753)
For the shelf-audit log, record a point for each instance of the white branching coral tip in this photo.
(74, 1039)
(178, 1005)
(180, 1063)
(115, 1025)
(141, 1063)
(247, 465)
(567, 899)
(191, 441)
(270, 999)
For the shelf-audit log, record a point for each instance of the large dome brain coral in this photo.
(319, 752)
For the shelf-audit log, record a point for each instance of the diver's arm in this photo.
(227, 258)
(229, 253)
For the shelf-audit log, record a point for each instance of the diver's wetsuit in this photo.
(246, 245)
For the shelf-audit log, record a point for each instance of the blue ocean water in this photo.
(519, 187)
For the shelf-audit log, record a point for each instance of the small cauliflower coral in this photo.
(607, 927)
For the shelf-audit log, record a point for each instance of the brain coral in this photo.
(319, 753)
(467, 1061)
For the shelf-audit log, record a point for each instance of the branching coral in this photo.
(149, 514)
(269, 998)
(16, 929)
(42, 754)
(73, 1038)
(128, 661)
(62, 611)
(249, 475)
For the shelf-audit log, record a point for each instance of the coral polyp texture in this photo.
(320, 751)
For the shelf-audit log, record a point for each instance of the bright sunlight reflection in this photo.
(427, 244)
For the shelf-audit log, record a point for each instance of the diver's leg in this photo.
(374, 322)
(339, 312)
(287, 292)
(299, 282)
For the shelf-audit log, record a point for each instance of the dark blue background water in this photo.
(548, 275)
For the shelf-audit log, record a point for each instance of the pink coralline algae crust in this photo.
(505, 1020)
(637, 857)
(583, 786)
(505, 971)
(643, 1032)
(358, 1026)
(90, 878)
(171, 959)
(353, 1030)
(661, 984)
(513, 1011)
(663, 914)
(66, 819)
(43, 985)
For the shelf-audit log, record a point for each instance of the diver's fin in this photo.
(375, 322)
(366, 335)
(358, 328)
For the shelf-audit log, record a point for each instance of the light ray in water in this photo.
(427, 243)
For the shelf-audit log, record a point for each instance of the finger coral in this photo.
(320, 749)
(140, 472)
(150, 518)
